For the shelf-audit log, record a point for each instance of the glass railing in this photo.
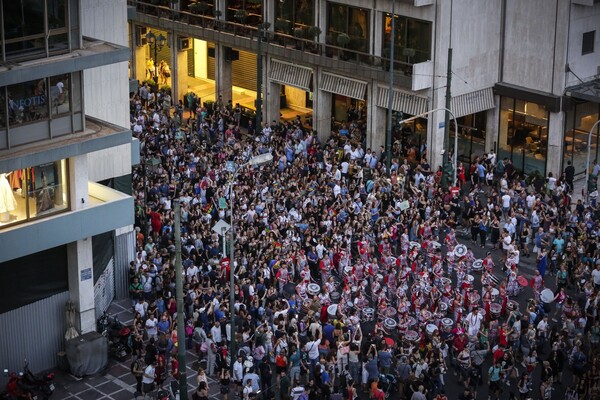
(213, 20)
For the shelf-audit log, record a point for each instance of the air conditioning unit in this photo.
(140, 36)
(184, 43)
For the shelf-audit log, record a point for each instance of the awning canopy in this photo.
(290, 74)
(407, 103)
(588, 91)
(473, 102)
(343, 86)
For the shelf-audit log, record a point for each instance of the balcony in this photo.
(298, 47)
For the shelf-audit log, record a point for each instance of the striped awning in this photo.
(343, 86)
(407, 103)
(473, 102)
(290, 74)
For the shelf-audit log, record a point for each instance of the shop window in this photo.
(27, 102)
(350, 21)
(578, 122)
(33, 192)
(33, 27)
(412, 41)
(59, 94)
(523, 136)
(471, 136)
(587, 42)
(294, 14)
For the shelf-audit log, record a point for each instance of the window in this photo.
(59, 94)
(587, 44)
(27, 102)
(33, 192)
(252, 14)
(352, 23)
(412, 43)
(34, 28)
(291, 14)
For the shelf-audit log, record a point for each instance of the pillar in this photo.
(555, 144)
(491, 126)
(435, 136)
(139, 63)
(377, 120)
(223, 74)
(79, 253)
(179, 77)
(322, 114)
(271, 101)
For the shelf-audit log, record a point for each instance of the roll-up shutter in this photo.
(290, 74)
(407, 103)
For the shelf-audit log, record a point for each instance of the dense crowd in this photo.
(351, 282)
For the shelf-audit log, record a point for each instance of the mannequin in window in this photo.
(44, 201)
(7, 199)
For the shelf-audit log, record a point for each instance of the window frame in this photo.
(587, 46)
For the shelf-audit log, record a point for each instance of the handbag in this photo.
(203, 347)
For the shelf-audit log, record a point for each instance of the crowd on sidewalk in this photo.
(352, 282)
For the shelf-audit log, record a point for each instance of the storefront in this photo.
(30, 193)
(582, 112)
(470, 110)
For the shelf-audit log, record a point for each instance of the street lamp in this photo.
(587, 161)
(156, 43)
(256, 162)
(455, 152)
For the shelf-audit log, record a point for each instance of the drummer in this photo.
(537, 284)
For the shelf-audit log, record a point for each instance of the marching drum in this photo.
(332, 311)
(368, 314)
(460, 250)
(390, 312)
(411, 336)
(313, 289)
(495, 310)
(512, 305)
(447, 323)
(431, 328)
(443, 307)
(390, 324)
(305, 306)
(495, 294)
(347, 271)
(426, 315)
(415, 244)
(435, 245)
(477, 265)
(474, 300)
(334, 296)
(411, 321)
(468, 282)
(547, 296)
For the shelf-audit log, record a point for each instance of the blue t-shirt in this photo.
(559, 242)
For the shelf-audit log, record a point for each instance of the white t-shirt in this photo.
(151, 324)
(313, 349)
(596, 276)
(148, 375)
(506, 201)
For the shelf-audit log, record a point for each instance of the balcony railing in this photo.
(310, 45)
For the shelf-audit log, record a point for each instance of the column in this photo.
(180, 68)
(322, 114)
(271, 101)
(377, 120)
(139, 63)
(79, 253)
(223, 73)
(435, 136)
(491, 126)
(556, 142)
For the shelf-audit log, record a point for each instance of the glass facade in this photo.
(350, 21)
(471, 136)
(34, 28)
(253, 14)
(523, 134)
(412, 41)
(33, 192)
(294, 14)
(578, 122)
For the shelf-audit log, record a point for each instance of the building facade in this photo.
(65, 144)
(526, 90)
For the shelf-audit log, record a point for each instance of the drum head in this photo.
(411, 336)
(478, 265)
(389, 323)
(547, 296)
(443, 306)
(332, 309)
(447, 322)
(411, 321)
(495, 308)
(415, 244)
(495, 292)
(470, 278)
(460, 250)
(435, 245)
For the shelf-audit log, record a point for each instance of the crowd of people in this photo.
(352, 281)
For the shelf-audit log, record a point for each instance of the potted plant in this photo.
(255, 1)
(408, 52)
(241, 15)
(314, 32)
(199, 8)
(343, 40)
(283, 26)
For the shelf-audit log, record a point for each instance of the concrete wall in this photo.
(119, 164)
(529, 42)
(106, 88)
(583, 19)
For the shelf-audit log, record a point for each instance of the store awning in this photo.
(473, 102)
(407, 103)
(588, 91)
(290, 74)
(548, 100)
(343, 86)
